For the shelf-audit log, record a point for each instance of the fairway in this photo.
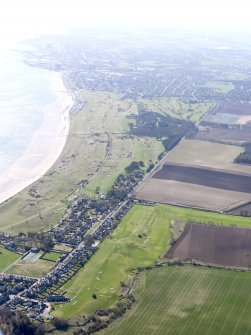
(125, 250)
(188, 300)
(175, 107)
(117, 255)
(7, 258)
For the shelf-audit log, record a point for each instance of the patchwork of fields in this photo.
(226, 246)
(201, 175)
(188, 300)
(141, 239)
(228, 122)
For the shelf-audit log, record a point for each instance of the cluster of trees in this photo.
(245, 157)
(158, 125)
(17, 323)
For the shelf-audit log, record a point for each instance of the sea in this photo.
(24, 93)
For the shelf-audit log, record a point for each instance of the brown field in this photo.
(190, 195)
(225, 134)
(208, 154)
(226, 246)
(235, 108)
(209, 177)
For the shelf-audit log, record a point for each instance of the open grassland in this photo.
(115, 259)
(98, 148)
(188, 300)
(125, 250)
(176, 108)
(208, 154)
(222, 87)
(124, 149)
(7, 258)
(51, 256)
(37, 269)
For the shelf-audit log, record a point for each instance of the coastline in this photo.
(46, 144)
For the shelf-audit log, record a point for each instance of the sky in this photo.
(20, 18)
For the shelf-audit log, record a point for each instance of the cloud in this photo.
(29, 16)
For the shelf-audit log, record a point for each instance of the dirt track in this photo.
(226, 246)
(205, 176)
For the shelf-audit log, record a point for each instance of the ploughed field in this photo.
(235, 108)
(225, 246)
(206, 177)
(202, 175)
(228, 122)
(225, 134)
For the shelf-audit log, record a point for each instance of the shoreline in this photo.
(46, 144)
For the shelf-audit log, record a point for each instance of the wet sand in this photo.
(45, 146)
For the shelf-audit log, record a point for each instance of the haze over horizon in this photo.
(20, 19)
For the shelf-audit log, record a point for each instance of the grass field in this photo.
(188, 300)
(115, 258)
(219, 86)
(36, 269)
(176, 108)
(104, 116)
(125, 250)
(51, 256)
(7, 258)
(208, 154)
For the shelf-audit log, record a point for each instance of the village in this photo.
(34, 296)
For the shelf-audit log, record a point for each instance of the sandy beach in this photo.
(45, 146)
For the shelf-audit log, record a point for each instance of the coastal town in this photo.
(160, 99)
(34, 296)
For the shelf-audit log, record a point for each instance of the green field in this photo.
(176, 108)
(219, 86)
(7, 258)
(188, 300)
(51, 256)
(37, 269)
(125, 250)
(117, 255)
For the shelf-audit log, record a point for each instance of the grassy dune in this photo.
(104, 116)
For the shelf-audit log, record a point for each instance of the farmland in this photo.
(235, 108)
(233, 135)
(225, 246)
(208, 154)
(126, 250)
(190, 195)
(209, 177)
(184, 178)
(188, 300)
